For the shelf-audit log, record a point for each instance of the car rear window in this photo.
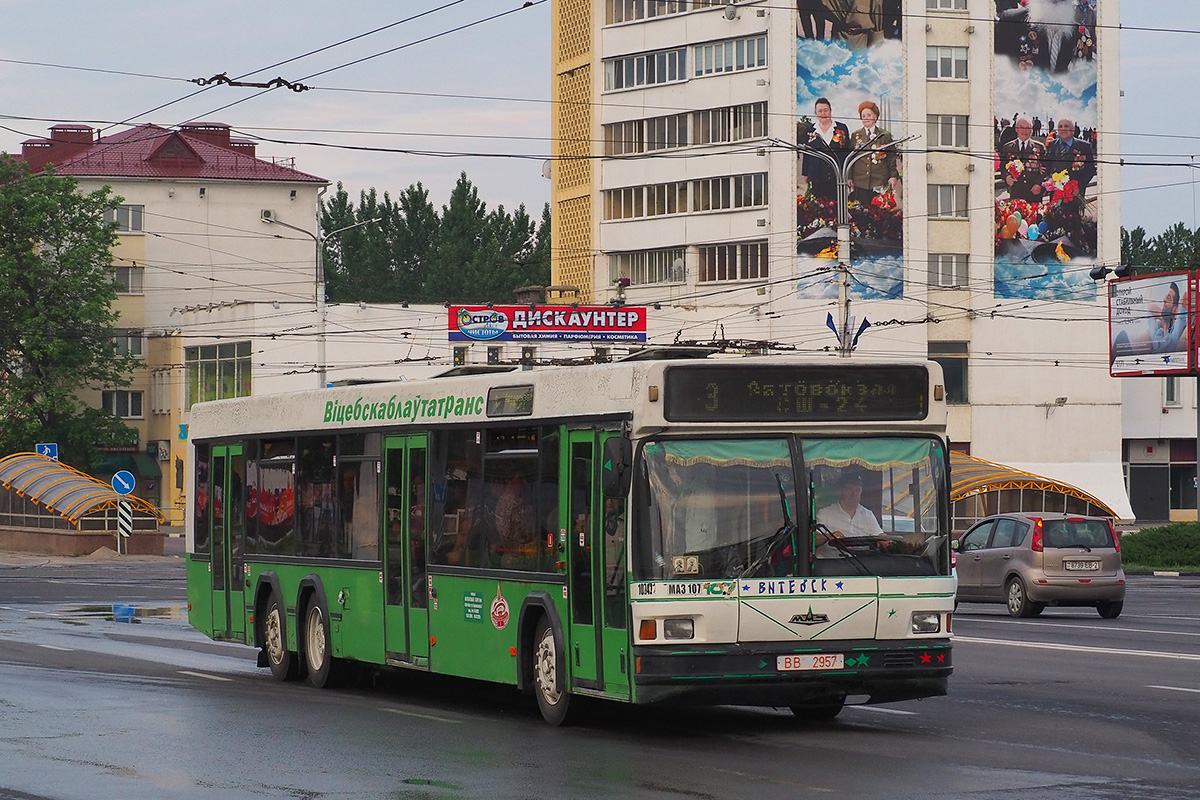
(1078, 533)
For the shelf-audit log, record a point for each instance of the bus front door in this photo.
(406, 601)
(228, 539)
(598, 648)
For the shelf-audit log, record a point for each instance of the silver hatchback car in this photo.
(1029, 561)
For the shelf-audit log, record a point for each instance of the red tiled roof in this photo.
(150, 151)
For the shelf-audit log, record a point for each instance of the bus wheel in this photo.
(547, 681)
(323, 668)
(819, 712)
(284, 663)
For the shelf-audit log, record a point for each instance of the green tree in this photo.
(1136, 249)
(1175, 248)
(57, 289)
(460, 261)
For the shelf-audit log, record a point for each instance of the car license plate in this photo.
(1082, 565)
(810, 661)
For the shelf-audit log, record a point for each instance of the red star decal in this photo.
(925, 659)
(941, 658)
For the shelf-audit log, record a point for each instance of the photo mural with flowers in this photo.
(1045, 149)
(849, 93)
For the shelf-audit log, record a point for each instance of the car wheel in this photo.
(1110, 610)
(283, 663)
(552, 698)
(1018, 601)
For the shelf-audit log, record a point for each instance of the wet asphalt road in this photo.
(1067, 706)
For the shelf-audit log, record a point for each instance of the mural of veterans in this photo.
(877, 172)
(827, 136)
(1021, 164)
(859, 23)
(1067, 151)
(1048, 34)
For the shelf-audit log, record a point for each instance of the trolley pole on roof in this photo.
(841, 169)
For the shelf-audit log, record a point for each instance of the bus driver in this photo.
(847, 516)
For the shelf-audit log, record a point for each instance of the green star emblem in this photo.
(862, 659)
(891, 613)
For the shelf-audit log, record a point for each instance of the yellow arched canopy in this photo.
(970, 475)
(62, 489)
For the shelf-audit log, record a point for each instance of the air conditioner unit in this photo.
(267, 215)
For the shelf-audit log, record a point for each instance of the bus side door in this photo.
(599, 639)
(406, 592)
(228, 497)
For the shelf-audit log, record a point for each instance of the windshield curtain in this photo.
(727, 508)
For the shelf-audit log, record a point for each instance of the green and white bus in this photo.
(767, 531)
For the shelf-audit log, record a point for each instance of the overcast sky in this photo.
(481, 90)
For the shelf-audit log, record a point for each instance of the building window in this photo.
(122, 403)
(953, 358)
(648, 266)
(733, 262)
(616, 11)
(634, 202)
(734, 191)
(129, 343)
(217, 371)
(947, 130)
(1171, 392)
(948, 270)
(127, 218)
(129, 279)
(946, 63)
(730, 123)
(948, 200)
(946, 5)
(734, 55)
(645, 69)
(664, 133)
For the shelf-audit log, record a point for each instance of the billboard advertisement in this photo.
(1149, 324)
(1046, 139)
(546, 324)
(849, 96)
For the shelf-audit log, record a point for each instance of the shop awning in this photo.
(970, 475)
(63, 489)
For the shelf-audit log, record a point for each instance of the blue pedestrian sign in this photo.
(123, 482)
(48, 449)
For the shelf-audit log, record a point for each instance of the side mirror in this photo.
(617, 473)
(954, 544)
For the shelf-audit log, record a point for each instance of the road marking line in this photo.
(56, 647)
(422, 716)
(203, 675)
(1105, 628)
(878, 710)
(1174, 689)
(1080, 649)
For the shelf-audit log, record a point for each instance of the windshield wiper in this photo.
(837, 544)
(777, 537)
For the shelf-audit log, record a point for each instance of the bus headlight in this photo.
(926, 622)
(679, 628)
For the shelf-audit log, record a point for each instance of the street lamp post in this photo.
(319, 239)
(842, 172)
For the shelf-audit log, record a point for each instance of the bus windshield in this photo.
(729, 508)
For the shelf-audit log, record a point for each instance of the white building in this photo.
(676, 172)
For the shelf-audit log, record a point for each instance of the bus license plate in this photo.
(1082, 565)
(810, 661)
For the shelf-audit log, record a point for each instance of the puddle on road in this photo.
(120, 612)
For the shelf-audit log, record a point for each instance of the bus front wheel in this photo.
(819, 712)
(548, 680)
(283, 663)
